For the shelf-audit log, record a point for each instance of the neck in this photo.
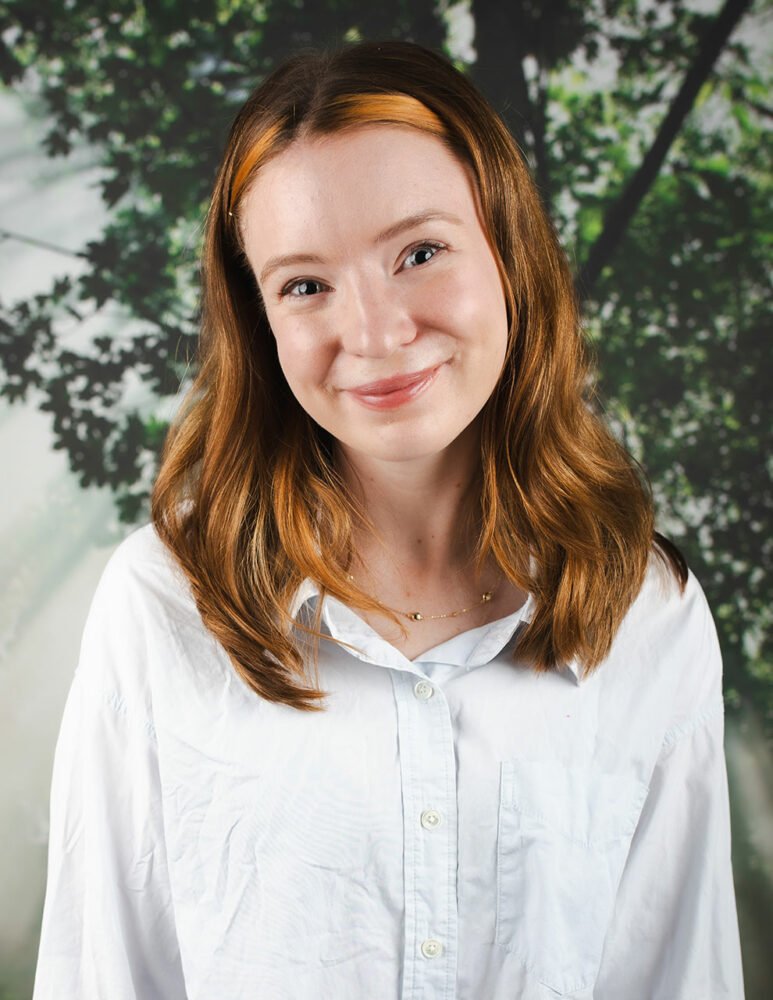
(421, 510)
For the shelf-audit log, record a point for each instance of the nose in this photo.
(373, 321)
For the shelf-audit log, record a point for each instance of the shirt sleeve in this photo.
(674, 934)
(108, 921)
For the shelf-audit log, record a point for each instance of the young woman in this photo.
(400, 695)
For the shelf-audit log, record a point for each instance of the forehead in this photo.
(370, 174)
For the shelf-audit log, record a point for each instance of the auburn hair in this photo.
(248, 497)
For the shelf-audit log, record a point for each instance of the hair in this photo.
(249, 499)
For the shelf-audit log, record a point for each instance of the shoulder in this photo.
(141, 548)
(662, 602)
(141, 605)
(670, 616)
(143, 572)
(671, 635)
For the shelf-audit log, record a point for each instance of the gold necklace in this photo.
(417, 616)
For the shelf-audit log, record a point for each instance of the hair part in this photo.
(249, 499)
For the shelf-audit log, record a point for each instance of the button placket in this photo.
(428, 770)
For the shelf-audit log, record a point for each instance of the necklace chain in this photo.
(417, 616)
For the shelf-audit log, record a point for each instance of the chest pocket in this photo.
(563, 838)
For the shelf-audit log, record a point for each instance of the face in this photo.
(380, 288)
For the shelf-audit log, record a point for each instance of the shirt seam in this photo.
(695, 722)
(114, 701)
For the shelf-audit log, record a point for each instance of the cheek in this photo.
(473, 305)
(304, 355)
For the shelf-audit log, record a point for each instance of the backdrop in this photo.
(647, 124)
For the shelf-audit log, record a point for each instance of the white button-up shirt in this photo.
(456, 827)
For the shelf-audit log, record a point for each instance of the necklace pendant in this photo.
(486, 597)
(417, 616)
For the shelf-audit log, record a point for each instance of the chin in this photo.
(403, 446)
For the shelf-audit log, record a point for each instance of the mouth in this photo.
(389, 393)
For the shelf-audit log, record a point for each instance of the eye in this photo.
(422, 253)
(302, 288)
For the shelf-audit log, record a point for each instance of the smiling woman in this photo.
(398, 301)
(401, 695)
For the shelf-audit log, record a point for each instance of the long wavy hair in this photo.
(249, 499)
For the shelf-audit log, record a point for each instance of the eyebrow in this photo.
(401, 226)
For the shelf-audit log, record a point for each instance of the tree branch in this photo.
(6, 234)
(498, 70)
(621, 213)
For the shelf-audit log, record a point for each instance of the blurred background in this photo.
(647, 124)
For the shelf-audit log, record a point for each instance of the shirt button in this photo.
(430, 818)
(431, 948)
(423, 690)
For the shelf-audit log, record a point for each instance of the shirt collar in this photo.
(303, 594)
(471, 649)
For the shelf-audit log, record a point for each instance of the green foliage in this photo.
(679, 315)
(684, 355)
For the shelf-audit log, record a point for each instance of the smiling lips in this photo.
(389, 393)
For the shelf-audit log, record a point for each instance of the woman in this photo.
(400, 695)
